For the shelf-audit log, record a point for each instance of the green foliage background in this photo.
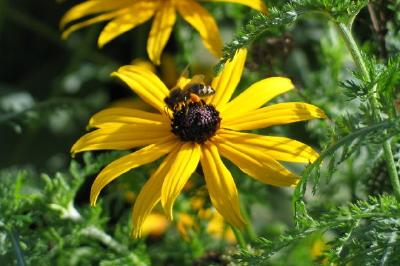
(344, 211)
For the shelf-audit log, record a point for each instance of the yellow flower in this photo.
(155, 225)
(199, 132)
(125, 15)
(216, 226)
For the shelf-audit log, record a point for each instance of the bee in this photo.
(192, 92)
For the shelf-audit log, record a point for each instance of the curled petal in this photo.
(258, 165)
(161, 30)
(185, 164)
(256, 95)
(226, 82)
(150, 194)
(124, 164)
(144, 83)
(203, 22)
(277, 114)
(278, 148)
(121, 137)
(118, 116)
(221, 186)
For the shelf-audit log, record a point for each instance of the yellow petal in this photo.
(122, 116)
(277, 114)
(185, 164)
(126, 163)
(99, 18)
(161, 30)
(256, 95)
(91, 8)
(145, 84)
(203, 22)
(255, 4)
(221, 186)
(150, 194)
(278, 148)
(122, 137)
(257, 165)
(138, 13)
(139, 62)
(226, 82)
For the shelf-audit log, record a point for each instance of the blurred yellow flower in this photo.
(155, 225)
(216, 226)
(199, 132)
(125, 15)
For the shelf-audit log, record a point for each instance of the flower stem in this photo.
(239, 237)
(251, 233)
(345, 30)
(17, 248)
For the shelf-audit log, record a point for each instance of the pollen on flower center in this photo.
(195, 122)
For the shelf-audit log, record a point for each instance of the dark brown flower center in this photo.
(195, 122)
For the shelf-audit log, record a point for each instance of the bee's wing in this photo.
(183, 79)
(185, 72)
(197, 79)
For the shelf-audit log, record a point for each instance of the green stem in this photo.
(345, 30)
(239, 237)
(17, 248)
(251, 233)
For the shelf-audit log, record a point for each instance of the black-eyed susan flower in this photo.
(199, 132)
(125, 15)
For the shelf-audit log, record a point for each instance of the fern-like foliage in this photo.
(365, 233)
(47, 228)
(280, 19)
(352, 132)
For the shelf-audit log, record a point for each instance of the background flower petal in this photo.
(145, 84)
(150, 194)
(257, 165)
(278, 148)
(203, 22)
(185, 164)
(161, 30)
(127, 116)
(277, 114)
(221, 186)
(256, 96)
(255, 4)
(122, 137)
(91, 8)
(126, 163)
(136, 14)
(99, 18)
(226, 82)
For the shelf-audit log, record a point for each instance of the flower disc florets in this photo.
(195, 122)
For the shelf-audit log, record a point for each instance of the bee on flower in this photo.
(199, 132)
(124, 15)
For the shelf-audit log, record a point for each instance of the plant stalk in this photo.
(239, 237)
(345, 31)
(17, 249)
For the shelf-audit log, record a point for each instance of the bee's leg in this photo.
(195, 98)
(186, 106)
(167, 113)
